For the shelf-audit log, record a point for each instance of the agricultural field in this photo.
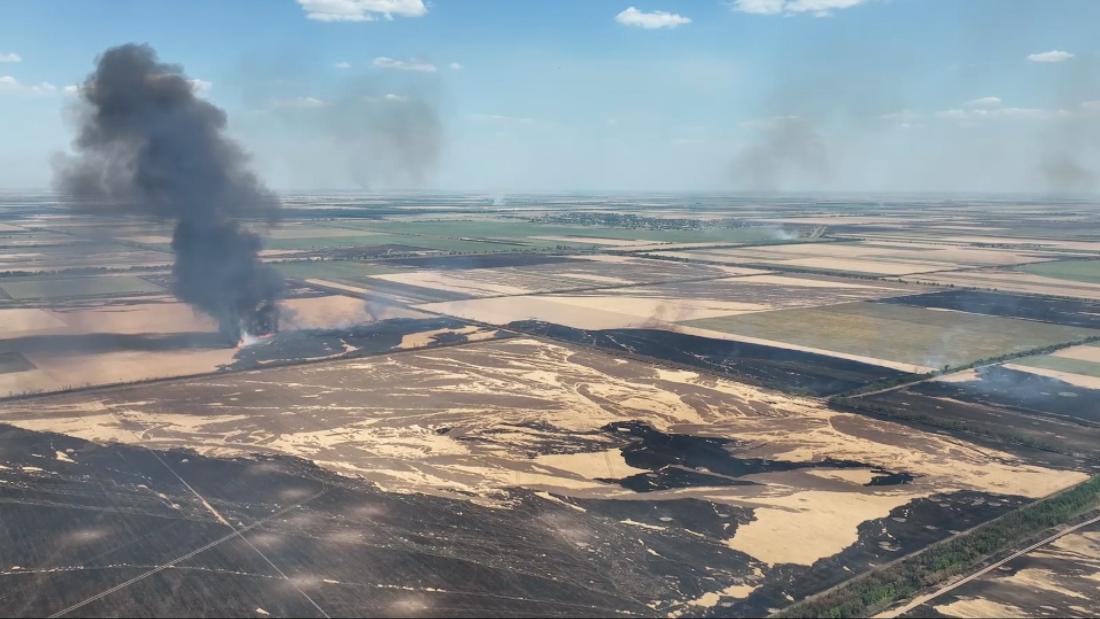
(798, 495)
(1073, 270)
(897, 334)
(552, 406)
(862, 258)
(668, 305)
(48, 289)
(1016, 282)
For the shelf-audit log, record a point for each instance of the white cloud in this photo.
(342, 65)
(361, 10)
(651, 21)
(9, 84)
(979, 113)
(299, 103)
(71, 89)
(383, 62)
(820, 8)
(10, 57)
(200, 87)
(456, 66)
(1054, 55)
(984, 102)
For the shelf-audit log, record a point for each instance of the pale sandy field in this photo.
(1009, 281)
(72, 363)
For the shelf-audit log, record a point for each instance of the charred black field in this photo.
(787, 370)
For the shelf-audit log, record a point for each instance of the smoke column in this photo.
(148, 145)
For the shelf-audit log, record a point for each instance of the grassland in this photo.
(913, 335)
(1062, 364)
(869, 595)
(22, 289)
(1073, 270)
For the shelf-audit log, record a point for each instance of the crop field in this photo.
(1069, 312)
(1077, 365)
(1011, 281)
(585, 273)
(25, 289)
(1073, 270)
(804, 494)
(863, 258)
(666, 305)
(910, 335)
(561, 405)
(575, 234)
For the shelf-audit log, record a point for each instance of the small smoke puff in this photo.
(789, 153)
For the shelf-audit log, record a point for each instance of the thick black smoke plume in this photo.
(148, 145)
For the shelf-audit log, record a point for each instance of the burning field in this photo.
(809, 494)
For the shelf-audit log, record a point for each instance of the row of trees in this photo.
(877, 591)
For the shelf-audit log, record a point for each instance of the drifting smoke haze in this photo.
(374, 131)
(789, 154)
(148, 145)
(389, 140)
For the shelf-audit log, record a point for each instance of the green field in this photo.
(898, 333)
(522, 231)
(1062, 364)
(22, 289)
(376, 240)
(1073, 270)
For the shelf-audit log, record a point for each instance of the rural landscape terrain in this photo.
(559, 405)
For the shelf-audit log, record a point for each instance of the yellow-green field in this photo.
(911, 335)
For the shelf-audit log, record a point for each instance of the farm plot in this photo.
(1072, 270)
(38, 288)
(808, 496)
(1011, 281)
(664, 305)
(919, 337)
(593, 272)
(1068, 312)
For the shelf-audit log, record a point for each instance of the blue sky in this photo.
(505, 95)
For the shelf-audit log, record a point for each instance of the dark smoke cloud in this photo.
(148, 145)
(790, 154)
